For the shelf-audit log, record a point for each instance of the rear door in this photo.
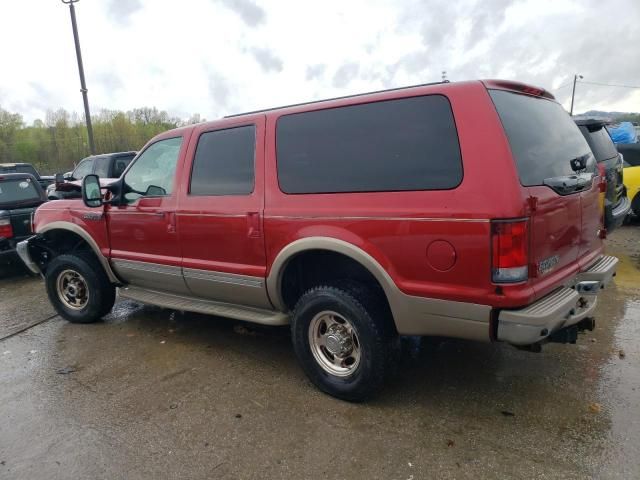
(558, 169)
(220, 213)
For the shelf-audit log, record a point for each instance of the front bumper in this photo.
(564, 307)
(22, 248)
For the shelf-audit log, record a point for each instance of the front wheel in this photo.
(78, 288)
(342, 340)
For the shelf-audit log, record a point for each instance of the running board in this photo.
(209, 307)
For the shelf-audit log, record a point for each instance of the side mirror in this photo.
(91, 195)
(59, 178)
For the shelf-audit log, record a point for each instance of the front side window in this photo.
(224, 162)
(394, 145)
(153, 172)
(83, 169)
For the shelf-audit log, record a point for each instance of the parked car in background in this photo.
(108, 165)
(616, 203)
(631, 161)
(354, 220)
(20, 195)
(43, 180)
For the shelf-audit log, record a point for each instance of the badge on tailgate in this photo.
(546, 265)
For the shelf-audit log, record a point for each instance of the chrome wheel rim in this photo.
(334, 343)
(72, 289)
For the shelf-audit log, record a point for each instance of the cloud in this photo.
(269, 61)
(315, 71)
(225, 56)
(121, 10)
(219, 90)
(248, 11)
(345, 74)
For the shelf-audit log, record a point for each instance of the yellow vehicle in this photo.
(631, 173)
(632, 184)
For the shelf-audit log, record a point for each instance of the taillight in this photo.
(509, 251)
(6, 231)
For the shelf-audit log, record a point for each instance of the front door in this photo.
(219, 216)
(145, 251)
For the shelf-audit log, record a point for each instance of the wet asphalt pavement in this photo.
(153, 393)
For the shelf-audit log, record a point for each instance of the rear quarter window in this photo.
(393, 145)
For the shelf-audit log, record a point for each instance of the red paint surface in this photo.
(244, 234)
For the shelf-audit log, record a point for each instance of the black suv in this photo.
(108, 165)
(616, 203)
(20, 195)
(43, 180)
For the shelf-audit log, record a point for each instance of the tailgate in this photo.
(21, 221)
(559, 172)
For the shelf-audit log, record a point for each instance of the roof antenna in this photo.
(444, 77)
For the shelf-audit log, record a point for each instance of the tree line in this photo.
(60, 141)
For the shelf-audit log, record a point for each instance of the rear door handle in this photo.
(170, 218)
(254, 223)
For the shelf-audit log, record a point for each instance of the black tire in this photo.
(101, 293)
(370, 320)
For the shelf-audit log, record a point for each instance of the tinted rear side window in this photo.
(395, 145)
(120, 164)
(543, 137)
(600, 142)
(224, 162)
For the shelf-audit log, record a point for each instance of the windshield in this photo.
(17, 191)
(543, 137)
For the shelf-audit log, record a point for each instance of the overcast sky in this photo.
(216, 57)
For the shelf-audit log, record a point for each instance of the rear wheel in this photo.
(78, 287)
(342, 341)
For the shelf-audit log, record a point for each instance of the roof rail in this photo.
(334, 98)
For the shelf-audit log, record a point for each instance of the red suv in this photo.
(469, 210)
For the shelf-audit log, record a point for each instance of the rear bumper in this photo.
(22, 248)
(564, 307)
(614, 216)
(8, 247)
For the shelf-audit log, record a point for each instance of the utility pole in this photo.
(573, 93)
(83, 85)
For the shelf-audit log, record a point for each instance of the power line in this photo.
(609, 84)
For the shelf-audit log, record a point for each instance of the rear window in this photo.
(543, 137)
(19, 169)
(17, 191)
(600, 142)
(394, 145)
